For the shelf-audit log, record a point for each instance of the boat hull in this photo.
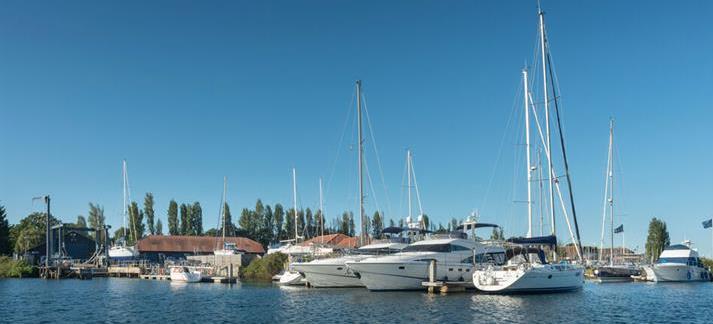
(328, 275)
(676, 273)
(290, 278)
(545, 279)
(406, 275)
(186, 276)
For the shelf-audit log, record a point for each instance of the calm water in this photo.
(132, 301)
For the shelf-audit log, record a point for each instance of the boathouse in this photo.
(158, 248)
(76, 244)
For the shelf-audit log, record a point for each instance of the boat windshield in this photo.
(687, 261)
(445, 248)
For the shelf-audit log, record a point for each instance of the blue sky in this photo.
(189, 92)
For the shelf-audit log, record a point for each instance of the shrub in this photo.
(10, 268)
(264, 268)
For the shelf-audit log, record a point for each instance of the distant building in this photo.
(335, 241)
(76, 243)
(157, 248)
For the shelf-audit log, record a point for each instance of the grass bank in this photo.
(10, 268)
(264, 268)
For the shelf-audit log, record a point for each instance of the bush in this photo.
(10, 268)
(264, 268)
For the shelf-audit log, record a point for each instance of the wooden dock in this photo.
(442, 286)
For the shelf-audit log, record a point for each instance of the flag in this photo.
(619, 229)
(708, 223)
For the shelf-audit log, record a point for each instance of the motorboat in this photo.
(678, 262)
(333, 272)
(229, 248)
(616, 273)
(185, 274)
(407, 270)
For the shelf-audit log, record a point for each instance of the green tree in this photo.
(268, 225)
(97, 220)
(497, 234)
(352, 227)
(119, 233)
(279, 216)
(159, 227)
(185, 219)
(377, 224)
(425, 221)
(136, 223)
(290, 223)
(81, 221)
(657, 239)
(319, 223)
(173, 226)
(196, 219)
(229, 226)
(149, 212)
(301, 222)
(344, 227)
(31, 231)
(309, 223)
(4, 232)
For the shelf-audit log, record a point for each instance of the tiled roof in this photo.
(329, 239)
(194, 244)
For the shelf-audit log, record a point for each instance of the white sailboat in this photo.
(612, 272)
(527, 269)
(121, 251)
(226, 248)
(290, 276)
(185, 274)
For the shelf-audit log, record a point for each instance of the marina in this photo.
(317, 115)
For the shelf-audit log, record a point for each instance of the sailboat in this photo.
(290, 276)
(226, 248)
(527, 269)
(612, 272)
(121, 250)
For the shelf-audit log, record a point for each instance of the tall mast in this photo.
(321, 211)
(408, 175)
(611, 191)
(541, 191)
(361, 159)
(124, 181)
(527, 149)
(225, 189)
(550, 176)
(294, 198)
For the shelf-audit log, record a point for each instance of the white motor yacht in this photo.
(185, 274)
(333, 272)
(408, 269)
(678, 262)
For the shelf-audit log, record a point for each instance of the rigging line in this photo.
(341, 141)
(376, 152)
(506, 131)
(415, 183)
(371, 186)
(564, 153)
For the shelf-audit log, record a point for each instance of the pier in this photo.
(440, 286)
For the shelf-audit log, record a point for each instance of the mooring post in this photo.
(431, 275)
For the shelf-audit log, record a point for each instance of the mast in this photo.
(547, 120)
(408, 175)
(611, 191)
(124, 182)
(527, 149)
(321, 211)
(294, 198)
(606, 192)
(541, 191)
(362, 235)
(225, 189)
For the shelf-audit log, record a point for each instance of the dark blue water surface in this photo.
(136, 301)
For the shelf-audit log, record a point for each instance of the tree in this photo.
(279, 218)
(173, 227)
(196, 219)
(290, 223)
(159, 227)
(497, 234)
(344, 227)
(120, 232)
(268, 224)
(301, 222)
(657, 239)
(229, 226)
(30, 232)
(309, 223)
(425, 221)
(136, 223)
(4, 232)
(185, 219)
(391, 223)
(149, 212)
(246, 222)
(97, 220)
(377, 224)
(352, 227)
(81, 222)
(319, 223)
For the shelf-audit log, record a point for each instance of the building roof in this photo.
(329, 239)
(194, 244)
(348, 243)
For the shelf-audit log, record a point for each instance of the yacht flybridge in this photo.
(526, 268)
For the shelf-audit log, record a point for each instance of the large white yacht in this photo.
(333, 272)
(678, 262)
(408, 269)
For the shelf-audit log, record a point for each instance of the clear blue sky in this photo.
(191, 91)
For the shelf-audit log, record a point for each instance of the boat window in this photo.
(428, 248)
(495, 258)
(687, 261)
(455, 247)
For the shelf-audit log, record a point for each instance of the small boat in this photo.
(616, 273)
(185, 274)
(291, 278)
(678, 262)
